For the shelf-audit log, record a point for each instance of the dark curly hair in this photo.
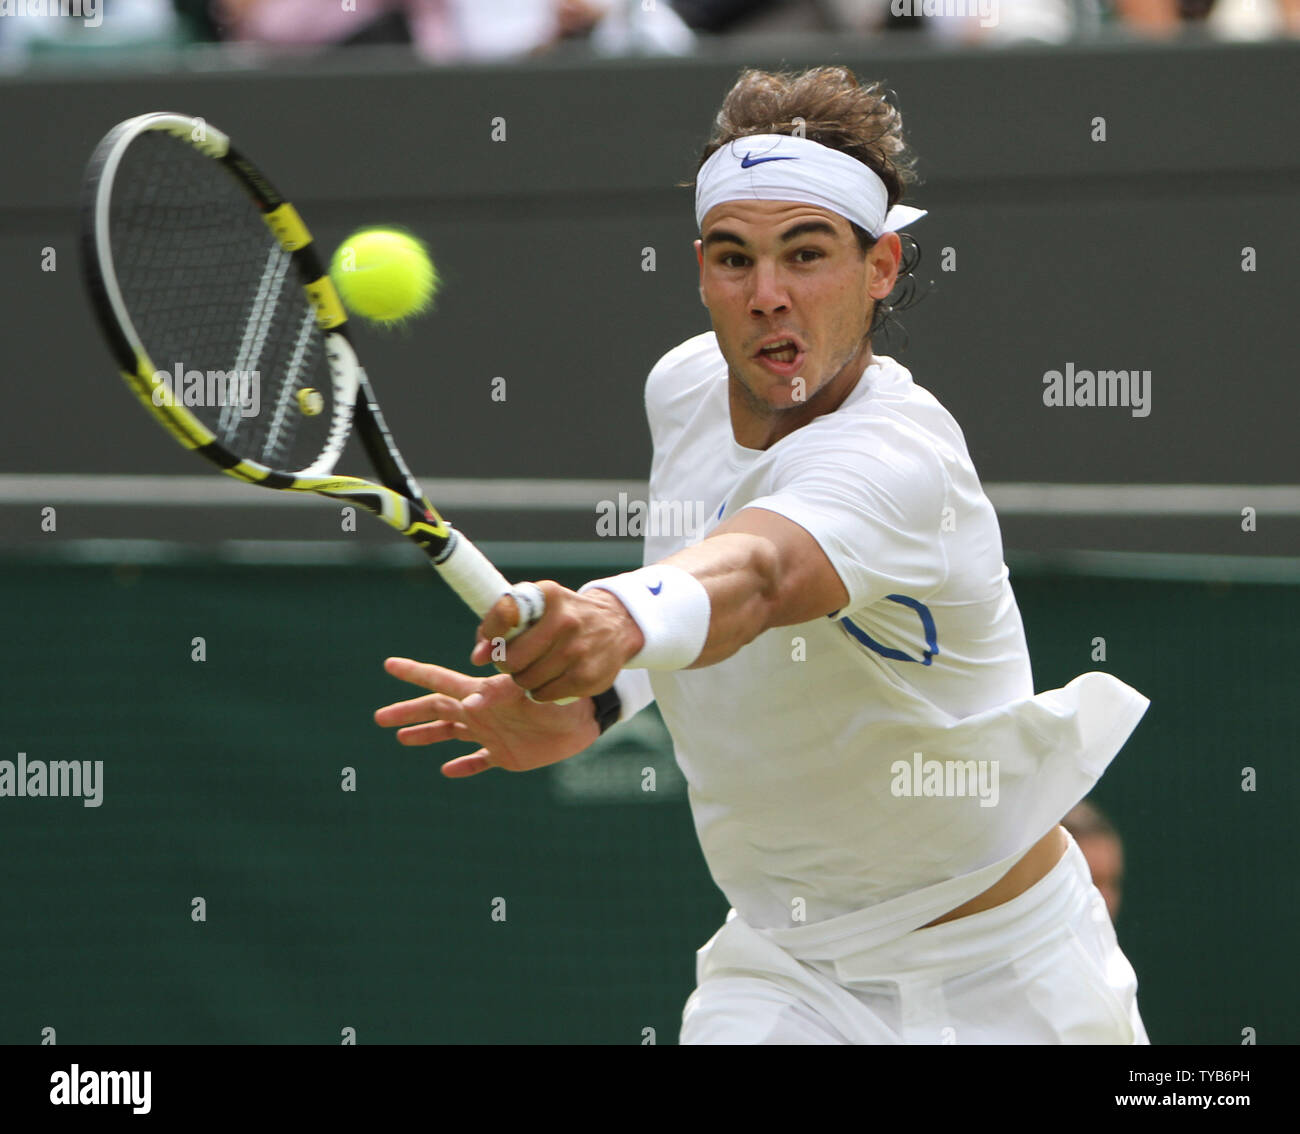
(828, 105)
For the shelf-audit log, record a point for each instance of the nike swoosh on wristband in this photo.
(747, 161)
(655, 590)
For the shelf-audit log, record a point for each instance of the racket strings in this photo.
(218, 304)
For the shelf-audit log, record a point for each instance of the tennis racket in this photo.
(197, 266)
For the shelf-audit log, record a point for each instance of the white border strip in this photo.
(219, 491)
(582, 495)
(1144, 499)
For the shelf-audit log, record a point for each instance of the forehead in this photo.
(756, 219)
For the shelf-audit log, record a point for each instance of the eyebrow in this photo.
(804, 228)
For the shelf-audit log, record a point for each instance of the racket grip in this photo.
(471, 575)
(479, 584)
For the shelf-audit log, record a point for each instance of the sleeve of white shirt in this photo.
(634, 692)
(873, 497)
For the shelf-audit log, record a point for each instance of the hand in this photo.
(576, 650)
(515, 733)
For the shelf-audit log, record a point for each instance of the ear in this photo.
(885, 259)
(699, 259)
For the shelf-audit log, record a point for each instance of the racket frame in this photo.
(396, 498)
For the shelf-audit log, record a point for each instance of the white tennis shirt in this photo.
(896, 744)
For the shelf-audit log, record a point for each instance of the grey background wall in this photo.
(1122, 254)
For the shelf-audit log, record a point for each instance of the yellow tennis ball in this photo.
(384, 274)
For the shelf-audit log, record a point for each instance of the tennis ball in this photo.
(384, 274)
(310, 401)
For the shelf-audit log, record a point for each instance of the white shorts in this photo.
(1042, 968)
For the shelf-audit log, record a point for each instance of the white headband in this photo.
(781, 167)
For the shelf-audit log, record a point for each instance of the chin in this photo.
(777, 401)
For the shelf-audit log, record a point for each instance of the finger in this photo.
(534, 641)
(491, 694)
(433, 707)
(553, 666)
(469, 765)
(547, 670)
(418, 735)
(429, 676)
(505, 621)
(496, 624)
(481, 654)
(568, 687)
(553, 692)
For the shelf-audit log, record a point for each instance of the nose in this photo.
(770, 295)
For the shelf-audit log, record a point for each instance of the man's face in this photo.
(779, 270)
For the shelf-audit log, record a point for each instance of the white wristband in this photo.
(670, 606)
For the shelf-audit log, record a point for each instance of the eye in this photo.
(807, 255)
(732, 260)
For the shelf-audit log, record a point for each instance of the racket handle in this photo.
(480, 585)
(471, 575)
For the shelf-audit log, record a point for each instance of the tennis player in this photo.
(840, 659)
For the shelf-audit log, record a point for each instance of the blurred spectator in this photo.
(632, 27)
(1254, 19)
(962, 20)
(1102, 847)
(1161, 17)
(450, 30)
(722, 16)
(994, 22)
(101, 24)
(1225, 19)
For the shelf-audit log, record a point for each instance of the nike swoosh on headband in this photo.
(747, 161)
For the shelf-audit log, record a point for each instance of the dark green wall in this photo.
(372, 909)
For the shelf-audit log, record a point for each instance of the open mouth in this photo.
(786, 350)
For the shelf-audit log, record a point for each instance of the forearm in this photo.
(741, 574)
(760, 571)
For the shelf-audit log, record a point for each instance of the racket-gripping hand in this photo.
(577, 649)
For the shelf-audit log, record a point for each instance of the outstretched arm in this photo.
(759, 570)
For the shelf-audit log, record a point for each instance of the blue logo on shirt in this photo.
(927, 626)
(655, 590)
